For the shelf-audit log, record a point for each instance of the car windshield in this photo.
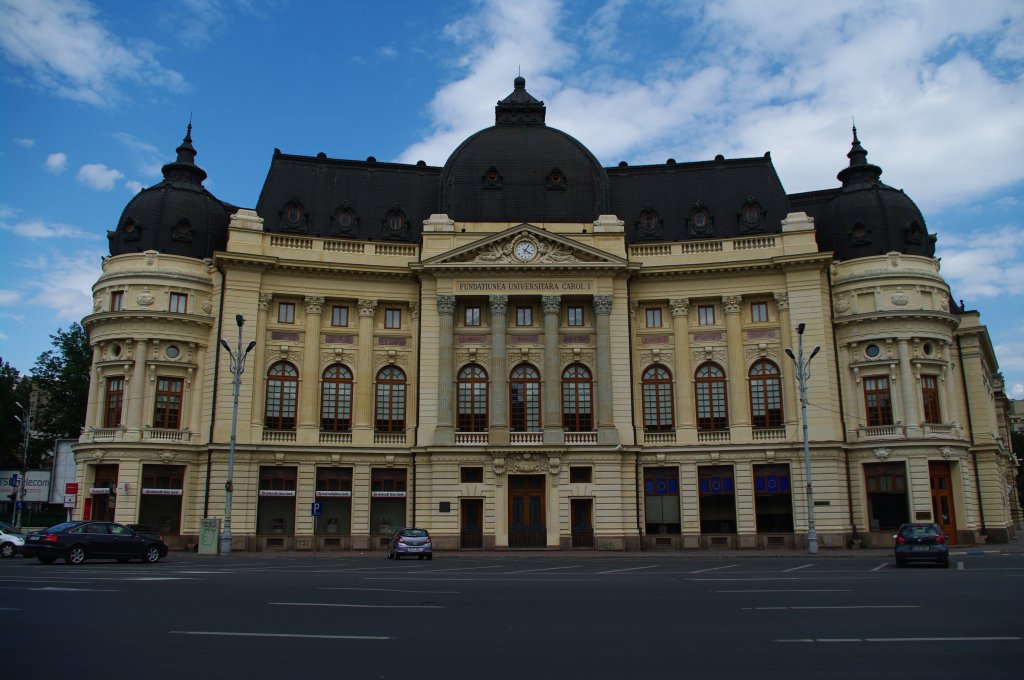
(919, 531)
(61, 527)
(414, 533)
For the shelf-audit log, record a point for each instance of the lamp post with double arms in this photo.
(237, 367)
(803, 373)
(19, 493)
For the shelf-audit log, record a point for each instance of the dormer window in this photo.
(182, 231)
(293, 213)
(556, 180)
(700, 221)
(293, 216)
(751, 214)
(860, 235)
(131, 230)
(395, 222)
(649, 221)
(344, 220)
(492, 179)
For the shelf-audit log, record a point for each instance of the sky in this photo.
(95, 96)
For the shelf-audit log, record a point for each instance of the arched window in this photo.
(472, 385)
(282, 396)
(577, 413)
(712, 409)
(524, 399)
(657, 389)
(336, 399)
(390, 400)
(765, 396)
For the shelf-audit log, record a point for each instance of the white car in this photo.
(11, 540)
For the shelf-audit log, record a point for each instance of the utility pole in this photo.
(26, 426)
(803, 373)
(237, 367)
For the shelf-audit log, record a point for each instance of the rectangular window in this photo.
(524, 316)
(113, 402)
(759, 312)
(339, 316)
(706, 315)
(178, 303)
(472, 316)
(930, 395)
(772, 503)
(575, 316)
(117, 301)
(886, 486)
(471, 475)
(661, 500)
(392, 318)
(877, 401)
(167, 413)
(717, 499)
(654, 317)
(581, 475)
(278, 478)
(286, 312)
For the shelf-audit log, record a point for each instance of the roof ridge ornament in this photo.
(520, 107)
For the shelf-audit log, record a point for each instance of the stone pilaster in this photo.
(683, 364)
(498, 415)
(907, 392)
(309, 399)
(362, 426)
(444, 433)
(739, 410)
(551, 305)
(606, 430)
(791, 397)
(259, 363)
(135, 394)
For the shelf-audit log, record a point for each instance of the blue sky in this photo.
(96, 96)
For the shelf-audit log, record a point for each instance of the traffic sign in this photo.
(13, 480)
(316, 510)
(71, 488)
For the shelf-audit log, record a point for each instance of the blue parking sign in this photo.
(316, 510)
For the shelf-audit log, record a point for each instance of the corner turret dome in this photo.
(867, 217)
(178, 216)
(522, 170)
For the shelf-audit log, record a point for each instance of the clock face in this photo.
(525, 250)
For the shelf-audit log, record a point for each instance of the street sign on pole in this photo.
(14, 480)
(316, 509)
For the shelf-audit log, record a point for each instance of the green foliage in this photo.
(13, 388)
(61, 381)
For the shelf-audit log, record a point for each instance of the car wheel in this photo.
(152, 555)
(7, 550)
(47, 559)
(75, 554)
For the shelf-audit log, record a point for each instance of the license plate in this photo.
(411, 549)
(922, 548)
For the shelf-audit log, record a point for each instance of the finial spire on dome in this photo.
(184, 168)
(519, 108)
(859, 170)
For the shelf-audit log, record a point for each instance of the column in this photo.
(683, 364)
(136, 392)
(498, 397)
(195, 397)
(791, 398)
(97, 397)
(945, 387)
(309, 397)
(606, 430)
(362, 416)
(551, 305)
(259, 364)
(909, 395)
(444, 433)
(739, 410)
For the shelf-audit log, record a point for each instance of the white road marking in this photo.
(881, 566)
(701, 571)
(395, 590)
(1006, 638)
(280, 635)
(530, 571)
(803, 566)
(959, 566)
(852, 606)
(617, 571)
(800, 590)
(489, 566)
(358, 606)
(75, 590)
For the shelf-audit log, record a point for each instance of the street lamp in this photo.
(803, 373)
(19, 499)
(237, 367)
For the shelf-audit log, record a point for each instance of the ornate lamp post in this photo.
(26, 425)
(237, 367)
(803, 373)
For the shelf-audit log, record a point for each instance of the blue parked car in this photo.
(921, 542)
(410, 541)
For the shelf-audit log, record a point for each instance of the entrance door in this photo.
(942, 497)
(526, 512)
(582, 510)
(471, 535)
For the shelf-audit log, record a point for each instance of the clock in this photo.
(525, 250)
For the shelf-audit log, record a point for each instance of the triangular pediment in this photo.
(525, 245)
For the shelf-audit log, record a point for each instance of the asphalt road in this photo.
(511, 616)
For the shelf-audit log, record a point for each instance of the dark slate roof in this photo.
(721, 188)
(177, 216)
(324, 188)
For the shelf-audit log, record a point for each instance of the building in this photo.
(525, 349)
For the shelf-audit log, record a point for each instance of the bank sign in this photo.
(37, 488)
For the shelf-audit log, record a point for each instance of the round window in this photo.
(928, 349)
(872, 351)
(115, 350)
(172, 352)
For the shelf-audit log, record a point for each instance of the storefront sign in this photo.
(334, 494)
(387, 494)
(100, 490)
(525, 286)
(161, 492)
(37, 484)
(71, 488)
(265, 493)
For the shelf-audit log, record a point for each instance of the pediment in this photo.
(548, 249)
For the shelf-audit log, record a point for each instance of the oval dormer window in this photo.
(293, 213)
(751, 214)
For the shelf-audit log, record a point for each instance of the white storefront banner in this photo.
(387, 494)
(276, 493)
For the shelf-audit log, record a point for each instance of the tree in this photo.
(13, 388)
(61, 381)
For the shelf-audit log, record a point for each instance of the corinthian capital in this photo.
(367, 307)
(446, 304)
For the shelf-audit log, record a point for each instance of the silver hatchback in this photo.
(410, 541)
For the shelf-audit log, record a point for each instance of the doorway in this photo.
(471, 534)
(940, 480)
(582, 511)
(526, 527)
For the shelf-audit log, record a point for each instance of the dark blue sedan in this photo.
(78, 541)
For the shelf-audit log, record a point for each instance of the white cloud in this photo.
(198, 21)
(7, 212)
(99, 176)
(133, 186)
(68, 51)
(57, 162)
(984, 264)
(146, 155)
(63, 283)
(9, 297)
(1016, 391)
(40, 229)
(25, 142)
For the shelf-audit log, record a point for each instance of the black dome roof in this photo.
(867, 217)
(177, 216)
(522, 170)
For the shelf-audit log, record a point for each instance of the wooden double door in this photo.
(526, 524)
(940, 479)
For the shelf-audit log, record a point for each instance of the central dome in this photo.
(522, 170)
